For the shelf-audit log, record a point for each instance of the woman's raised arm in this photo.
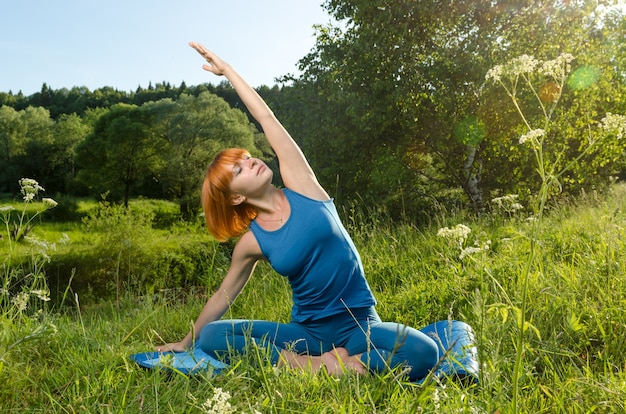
(295, 170)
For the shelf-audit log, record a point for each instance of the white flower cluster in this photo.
(42, 246)
(20, 300)
(532, 136)
(218, 404)
(507, 203)
(614, 123)
(49, 203)
(557, 68)
(29, 188)
(522, 64)
(476, 248)
(495, 73)
(457, 234)
(518, 66)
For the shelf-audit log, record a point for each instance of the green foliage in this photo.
(406, 79)
(573, 322)
(23, 284)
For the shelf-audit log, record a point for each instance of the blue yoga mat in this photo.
(185, 362)
(457, 350)
(455, 339)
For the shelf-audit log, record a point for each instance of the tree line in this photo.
(391, 108)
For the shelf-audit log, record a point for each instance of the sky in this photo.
(129, 43)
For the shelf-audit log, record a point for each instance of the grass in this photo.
(573, 348)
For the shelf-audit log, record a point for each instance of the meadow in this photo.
(122, 282)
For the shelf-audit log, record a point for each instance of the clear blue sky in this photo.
(127, 43)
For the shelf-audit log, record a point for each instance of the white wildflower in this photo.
(495, 73)
(218, 404)
(29, 182)
(42, 246)
(521, 65)
(475, 249)
(6, 208)
(29, 188)
(436, 399)
(43, 295)
(614, 123)
(507, 203)
(49, 203)
(21, 301)
(458, 234)
(532, 136)
(557, 68)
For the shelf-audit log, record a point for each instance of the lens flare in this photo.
(549, 92)
(583, 77)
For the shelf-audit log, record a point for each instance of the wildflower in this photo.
(218, 404)
(43, 295)
(29, 188)
(614, 123)
(518, 66)
(6, 208)
(458, 233)
(495, 73)
(475, 249)
(522, 64)
(42, 246)
(507, 203)
(557, 68)
(436, 399)
(21, 301)
(49, 203)
(532, 136)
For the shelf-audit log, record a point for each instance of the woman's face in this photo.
(251, 176)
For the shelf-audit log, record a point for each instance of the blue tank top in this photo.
(314, 251)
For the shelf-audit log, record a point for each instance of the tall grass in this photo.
(573, 348)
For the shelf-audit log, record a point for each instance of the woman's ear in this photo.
(237, 199)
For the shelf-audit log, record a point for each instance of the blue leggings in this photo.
(383, 345)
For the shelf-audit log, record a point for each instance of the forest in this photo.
(392, 108)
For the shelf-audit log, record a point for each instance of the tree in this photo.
(398, 85)
(22, 133)
(10, 132)
(120, 152)
(195, 129)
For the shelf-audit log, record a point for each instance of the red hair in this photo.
(223, 219)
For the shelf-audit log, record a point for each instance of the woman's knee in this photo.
(216, 336)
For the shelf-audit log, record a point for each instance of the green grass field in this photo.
(70, 355)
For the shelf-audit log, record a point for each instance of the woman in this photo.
(334, 324)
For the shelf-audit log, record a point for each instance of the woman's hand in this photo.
(216, 65)
(172, 347)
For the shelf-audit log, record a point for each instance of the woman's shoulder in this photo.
(308, 195)
(247, 247)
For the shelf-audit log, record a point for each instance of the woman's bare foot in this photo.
(336, 362)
